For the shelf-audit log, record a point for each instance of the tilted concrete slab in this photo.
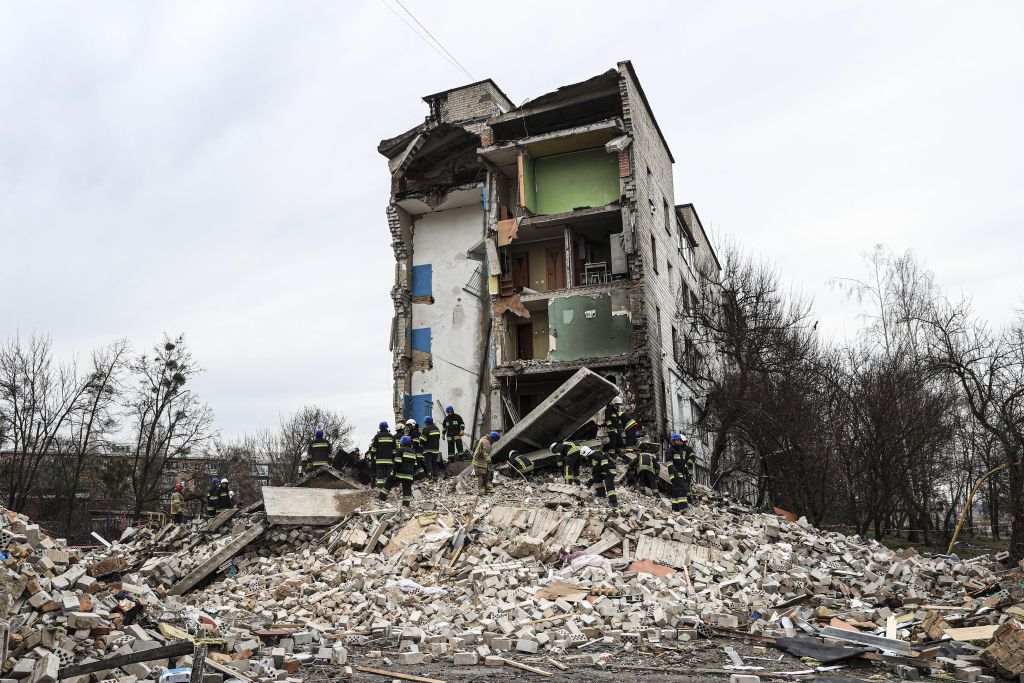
(559, 415)
(219, 558)
(290, 505)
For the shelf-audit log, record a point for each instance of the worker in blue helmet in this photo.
(318, 453)
(482, 465)
(405, 461)
(453, 429)
(212, 496)
(430, 446)
(382, 450)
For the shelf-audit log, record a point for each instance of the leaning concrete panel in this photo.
(291, 506)
(562, 413)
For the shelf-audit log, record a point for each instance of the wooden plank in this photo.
(569, 534)
(867, 639)
(890, 627)
(227, 670)
(526, 667)
(557, 664)
(606, 543)
(225, 554)
(970, 633)
(400, 676)
(176, 649)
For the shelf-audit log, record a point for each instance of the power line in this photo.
(439, 43)
(412, 28)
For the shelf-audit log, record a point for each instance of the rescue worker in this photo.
(225, 501)
(371, 462)
(614, 423)
(318, 453)
(646, 471)
(680, 459)
(430, 442)
(412, 430)
(569, 455)
(405, 467)
(178, 504)
(453, 428)
(211, 497)
(630, 434)
(520, 463)
(482, 463)
(603, 473)
(383, 449)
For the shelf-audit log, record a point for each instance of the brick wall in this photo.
(476, 101)
(653, 341)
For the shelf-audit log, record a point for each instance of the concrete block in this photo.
(466, 659)
(744, 678)
(46, 668)
(317, 507)
(410, 658)
(527, 645)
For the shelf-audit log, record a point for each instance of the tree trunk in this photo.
(1017, 511)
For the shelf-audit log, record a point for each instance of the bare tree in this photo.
(296, 433)
(91, 422)
(758, 333)
(37, 398)
(167, 419)
(987, 367)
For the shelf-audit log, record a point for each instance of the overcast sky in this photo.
(211, 167)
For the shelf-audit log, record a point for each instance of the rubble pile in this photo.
(540, 574)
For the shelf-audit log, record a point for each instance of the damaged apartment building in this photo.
(533, 240)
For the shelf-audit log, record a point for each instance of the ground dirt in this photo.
(697, 662)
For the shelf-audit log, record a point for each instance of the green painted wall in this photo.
(567, 181)
(581, 337)
(527, 182)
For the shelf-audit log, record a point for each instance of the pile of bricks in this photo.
(536, 573)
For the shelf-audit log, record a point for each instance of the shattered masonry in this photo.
(534, 240)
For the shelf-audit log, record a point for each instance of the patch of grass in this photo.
(966, 546)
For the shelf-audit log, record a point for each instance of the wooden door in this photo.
(554, 262)
(520, 270)
(524, 341)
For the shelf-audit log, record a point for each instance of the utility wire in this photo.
(431, 45)
(439, 43)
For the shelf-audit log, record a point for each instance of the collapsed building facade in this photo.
(533, 240)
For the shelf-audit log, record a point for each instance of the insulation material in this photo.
(508, 230)
(512, 304)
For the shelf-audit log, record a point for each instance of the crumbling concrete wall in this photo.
(450, 319)
(400, 225)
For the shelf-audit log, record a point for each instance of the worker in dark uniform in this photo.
(405, 468)
(453, 429)
(568, 456)
(412, 430)
(383, 449)
(318, 453)
(646, 471)
(614, 423)
(211, 497)
(604, 476)
(680, 459)
(630, 434)
(520, 463)
(593, 458)
(371, 461)
(430, 443)
(225, 501)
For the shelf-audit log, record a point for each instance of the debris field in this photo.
(539, 580)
